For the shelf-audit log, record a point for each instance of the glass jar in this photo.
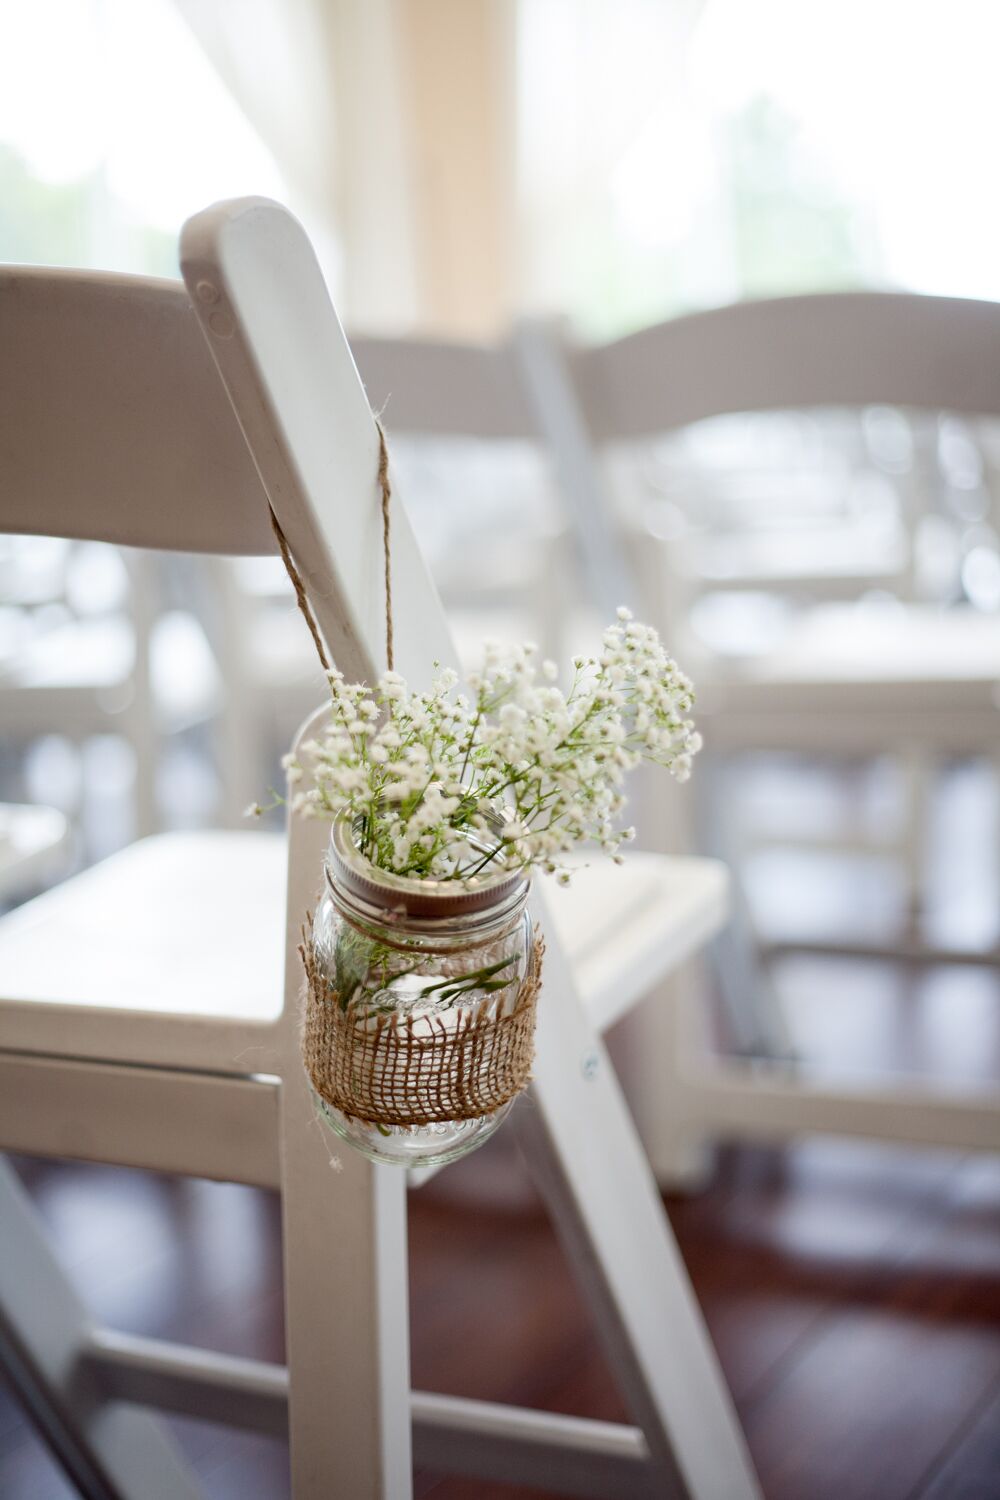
(420, 1006)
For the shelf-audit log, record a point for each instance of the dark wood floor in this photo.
(853, 1293)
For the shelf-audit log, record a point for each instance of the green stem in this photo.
(469, 981)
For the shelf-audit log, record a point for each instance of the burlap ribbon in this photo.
(394, 1070)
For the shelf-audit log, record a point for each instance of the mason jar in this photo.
(420, 1005)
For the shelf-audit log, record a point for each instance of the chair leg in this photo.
(345, 1270)
(585, 1156)
(673, 1037)
(145, 745)
(918, 782)
(346, 1313)
(108, 1450)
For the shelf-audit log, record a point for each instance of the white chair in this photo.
(145, 1022)
(855, 679)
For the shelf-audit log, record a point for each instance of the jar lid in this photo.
(445, 899)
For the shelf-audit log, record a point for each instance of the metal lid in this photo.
(406, 896)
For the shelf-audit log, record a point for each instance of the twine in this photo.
(395, 1070)
(386, 490)
(302, 598)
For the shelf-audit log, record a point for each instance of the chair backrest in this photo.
(834, 349)
(277, 342)
(850, 350)
(444, 389)
(114, 425)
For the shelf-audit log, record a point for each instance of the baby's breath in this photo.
(515, 773)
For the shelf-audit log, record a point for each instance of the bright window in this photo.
(113, 129)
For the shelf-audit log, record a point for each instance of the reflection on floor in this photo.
(852, 1292)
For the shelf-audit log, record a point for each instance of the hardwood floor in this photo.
(853, 1293)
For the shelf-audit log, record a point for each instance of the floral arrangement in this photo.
(447, 785)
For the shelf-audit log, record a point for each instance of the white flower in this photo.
(519, 762)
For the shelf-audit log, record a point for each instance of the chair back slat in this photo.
(283, 357)
(433, 388)
(835, 349)
(114, 425)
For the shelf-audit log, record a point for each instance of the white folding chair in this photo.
(843, 679)
(915, 678)
(170, 1048)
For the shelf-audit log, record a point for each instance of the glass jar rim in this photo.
(407, 896)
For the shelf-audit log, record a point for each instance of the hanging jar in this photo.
(420, 1005)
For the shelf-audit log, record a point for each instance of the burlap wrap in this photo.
(390, 1070)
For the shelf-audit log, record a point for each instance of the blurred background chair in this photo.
(833, 618)
(755, 596)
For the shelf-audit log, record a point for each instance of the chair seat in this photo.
(172, 951)
(858, 671)
(625, 926)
